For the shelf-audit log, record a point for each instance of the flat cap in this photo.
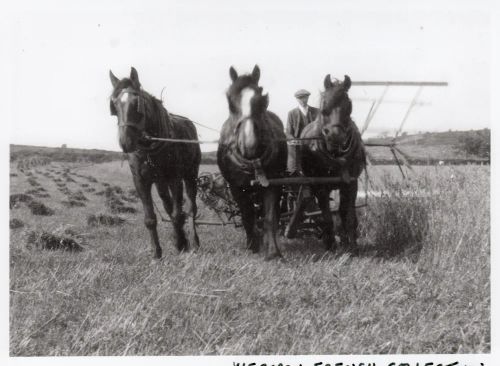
(301, 93)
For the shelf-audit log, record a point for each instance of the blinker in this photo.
(112, 108)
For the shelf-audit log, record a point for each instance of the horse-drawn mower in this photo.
(300, 213)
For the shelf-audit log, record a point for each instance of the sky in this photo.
(59, 55)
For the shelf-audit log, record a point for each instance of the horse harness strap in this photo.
(260, 175)
(140, 108)
(344, 154)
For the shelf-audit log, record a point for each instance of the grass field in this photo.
(420, 285)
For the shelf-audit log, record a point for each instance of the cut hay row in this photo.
(33, 182)
(15, 223)
(89, 178)
(15, 199)
(105, 220)
(114, 200)
(39, 208)
(32, 161)
(73, 203)
(50, 241)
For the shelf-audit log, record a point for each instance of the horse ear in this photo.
(256, 74)
(347, 82)
(328, 82)
(112, 108)
(114, 79)
(233, 74)
(134, 77)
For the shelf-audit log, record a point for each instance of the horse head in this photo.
(335, 113)
(127, 104)
(247, 106)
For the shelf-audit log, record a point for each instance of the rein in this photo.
(292, 140)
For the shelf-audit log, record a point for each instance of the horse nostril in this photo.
(326, 131)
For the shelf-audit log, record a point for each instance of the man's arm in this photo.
(290, 128)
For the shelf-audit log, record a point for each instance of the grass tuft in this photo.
(38, 208)
(15, 199)
(15, 223)
(51, 241)
(105, 220)
(73, 203)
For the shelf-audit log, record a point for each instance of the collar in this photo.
(304, 110)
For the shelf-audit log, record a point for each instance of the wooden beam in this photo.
(400, 83)
(303, 180)
(202, 222)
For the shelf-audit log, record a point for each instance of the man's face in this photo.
(303, 100)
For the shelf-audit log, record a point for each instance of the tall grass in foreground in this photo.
(420, 285)
(441, 218)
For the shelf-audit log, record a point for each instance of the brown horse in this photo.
(252, 146)
(165, 164)
(338, 152)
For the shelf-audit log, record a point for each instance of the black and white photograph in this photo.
(249, 182)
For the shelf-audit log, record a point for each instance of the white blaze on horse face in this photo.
(246, 98)
(248, 138)
(124, 97)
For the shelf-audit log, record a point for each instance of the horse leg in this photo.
(143, 188)
(248, 218)
(271, 219)
(323, 196)
(191, 211)
(163, 192)
(347, 211)
(170, 192)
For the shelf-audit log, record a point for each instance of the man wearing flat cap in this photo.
(298, 118)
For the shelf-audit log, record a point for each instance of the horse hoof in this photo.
(192, 248)
(253, 246)
(330, 247)
(182, 246)
(157, 254)
(354, 251)
(272, 256)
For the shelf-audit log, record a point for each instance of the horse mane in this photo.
(158, 122)
(241, 83)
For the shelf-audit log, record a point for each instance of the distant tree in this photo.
(404, 134)
(475, 143)
(64, 146)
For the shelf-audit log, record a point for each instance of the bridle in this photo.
(141, 126)
(344, 149)
(146, 146)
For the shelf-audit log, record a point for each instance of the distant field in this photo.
(420, 285)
